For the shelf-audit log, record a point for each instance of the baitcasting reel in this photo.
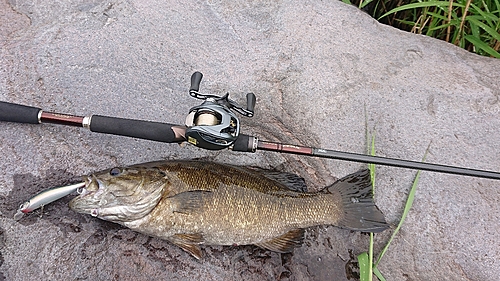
(212, 125)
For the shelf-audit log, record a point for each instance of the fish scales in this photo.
(237, 210)
(192, 202)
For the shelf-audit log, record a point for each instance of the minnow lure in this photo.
(45, 197)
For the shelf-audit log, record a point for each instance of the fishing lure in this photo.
(46, 197)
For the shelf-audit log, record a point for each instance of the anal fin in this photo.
(286, 242)
(189, 243)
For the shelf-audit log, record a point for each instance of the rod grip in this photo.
(155, 131)
(245, 143)
(12, 112)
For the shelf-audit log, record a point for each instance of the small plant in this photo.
(471, 24)
(365, 260)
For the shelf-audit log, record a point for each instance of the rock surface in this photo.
(322, 71)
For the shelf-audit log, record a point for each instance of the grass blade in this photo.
(437, 16)
(483, 46)
(371, 167)
(409, 203)
(378, 274)
(493, 33)
(364, 265)
(363, 4)
(365, 260)
(421, 5)
(480, 14)
(370, 258)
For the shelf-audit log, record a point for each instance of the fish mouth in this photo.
(92, 186)
(107, 201)
(87, 201)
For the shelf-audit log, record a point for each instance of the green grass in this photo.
(471, 24)
(365, 260)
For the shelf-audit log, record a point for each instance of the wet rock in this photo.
(320, 70)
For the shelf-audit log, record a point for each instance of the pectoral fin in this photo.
(189, 243)
(189, 202)
(284, 243)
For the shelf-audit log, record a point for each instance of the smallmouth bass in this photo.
(191, 203)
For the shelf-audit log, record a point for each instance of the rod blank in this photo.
(354, 157)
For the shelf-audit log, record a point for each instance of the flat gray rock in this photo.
(322, 71)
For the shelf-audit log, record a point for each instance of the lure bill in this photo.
(45, 197)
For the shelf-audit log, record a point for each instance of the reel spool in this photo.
(212, 125)
(206, 118)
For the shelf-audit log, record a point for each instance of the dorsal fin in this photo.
(292, 181)
(286, 242)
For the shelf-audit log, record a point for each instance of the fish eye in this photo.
(115, 171)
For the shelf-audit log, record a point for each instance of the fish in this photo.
(191, 203)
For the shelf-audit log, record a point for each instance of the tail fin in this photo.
(360, 212)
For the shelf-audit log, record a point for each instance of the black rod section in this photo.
(18, 113)
(140, 129)
(405, 164)
(362, 158)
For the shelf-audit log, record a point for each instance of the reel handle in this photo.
(251, 99)
(195, 81)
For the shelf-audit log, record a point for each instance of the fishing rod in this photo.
(212, 125)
